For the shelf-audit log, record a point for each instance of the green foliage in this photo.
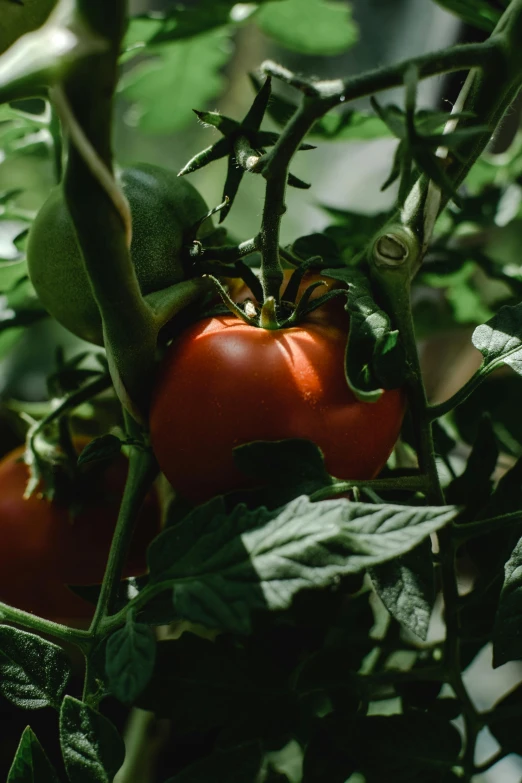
(298, 608)
(479, 13)
(310, 26)
(91, 746)
(238, 555)
(34, 672)
(130, 656)
(30, 764)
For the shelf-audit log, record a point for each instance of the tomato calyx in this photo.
(284, 314)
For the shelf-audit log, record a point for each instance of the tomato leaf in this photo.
(100, 450)
(31, 765)
(197, 683)
(92, 749)
(478, 13)
(375, 357)
(411, 747)
(500, 339)
(407, 589)
(189, 68)
(130, 655)
(507, 642)
(240, 765)
(309, 26)
(289, 467)
(506, 730)
(33, 672)
(225, 566)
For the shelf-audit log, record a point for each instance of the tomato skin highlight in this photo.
(44, 547)
(224, 383)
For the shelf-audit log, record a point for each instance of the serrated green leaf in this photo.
(407, 589)
(92, 749)
(33, 672)
(31, 765)
(130, 656)
(186, 69)
(225, 566)
(500, 339)
(309, 26)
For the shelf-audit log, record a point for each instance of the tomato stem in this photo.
(142, 471)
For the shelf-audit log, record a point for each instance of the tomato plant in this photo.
(224, 383)
(163, 207)
(49, 545)
(328, 382)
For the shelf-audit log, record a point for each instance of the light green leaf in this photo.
(315, 27)
(500, 339)
(182, 76)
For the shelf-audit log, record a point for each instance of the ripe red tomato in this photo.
(44, 548)
(224, 383)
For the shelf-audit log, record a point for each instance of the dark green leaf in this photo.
(317, 245)
(241, 765)
(31, 765)
(506, 730)
(33, 672)
(309, 26)
(406, 588)
(507, 639)
(223, 567)
(92, 749)
(198, 683)
(473, 488)
(103, 449)
(130, 656)
(374, 354)
(499, 396)
(289, 467)
(478, 13)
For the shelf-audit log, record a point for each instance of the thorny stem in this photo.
(275, 169)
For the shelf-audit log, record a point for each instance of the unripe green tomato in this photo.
(163, 207)
(18, 18)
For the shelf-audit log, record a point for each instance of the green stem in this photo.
(94, 200)
(275, 169)
(142, 470)
(32, 622)
(462, 533)
(71, 401)
(417, 483)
